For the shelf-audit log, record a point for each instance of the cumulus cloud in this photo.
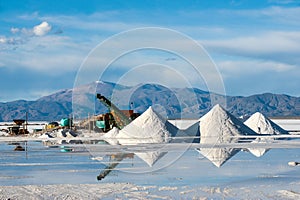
(42, 29)
(38, 30)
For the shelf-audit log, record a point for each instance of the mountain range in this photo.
(170, 102)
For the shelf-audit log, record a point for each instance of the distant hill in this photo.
(171, 102)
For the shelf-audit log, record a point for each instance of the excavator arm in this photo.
(121, 119)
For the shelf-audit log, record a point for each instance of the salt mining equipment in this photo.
(116, 117)
(17, 128)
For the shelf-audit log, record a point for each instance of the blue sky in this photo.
(255, 44)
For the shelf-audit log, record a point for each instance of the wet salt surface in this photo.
(49, 165)
(167, 168)
(44, 172)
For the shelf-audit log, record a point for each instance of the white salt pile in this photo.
(149, 127)
(264, 126)
(111, 136)
(219, 127)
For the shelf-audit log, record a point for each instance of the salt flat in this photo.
(68, 168)
(47, 173)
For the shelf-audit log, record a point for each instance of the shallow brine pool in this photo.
(171, 165)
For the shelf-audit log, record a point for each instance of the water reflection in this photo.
(115, 161)
(146, 157)
(218, 154)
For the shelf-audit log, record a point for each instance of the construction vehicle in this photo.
(19, 128)
(116, 117)
(51, 125)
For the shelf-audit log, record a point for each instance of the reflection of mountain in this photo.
(174, 102)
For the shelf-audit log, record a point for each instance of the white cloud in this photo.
(14, 30)
(280, 15)
(9, 41)
(25, 36)
(42, 29)
(279, 46)
(28, 17)
(47, 54)
(3, 40)
(271, 42)
(26, 32)
(235, 68)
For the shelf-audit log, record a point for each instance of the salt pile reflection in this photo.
(88, 160)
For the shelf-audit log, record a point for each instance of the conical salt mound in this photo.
(149, 157)
(220, 127)
(264, 126)
(147, 128)
(111, 136)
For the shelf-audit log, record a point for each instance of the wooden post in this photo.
(26, 122)
(89, 122)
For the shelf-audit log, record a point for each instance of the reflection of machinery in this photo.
(115, 118)
(115, 160)
(17, 128)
